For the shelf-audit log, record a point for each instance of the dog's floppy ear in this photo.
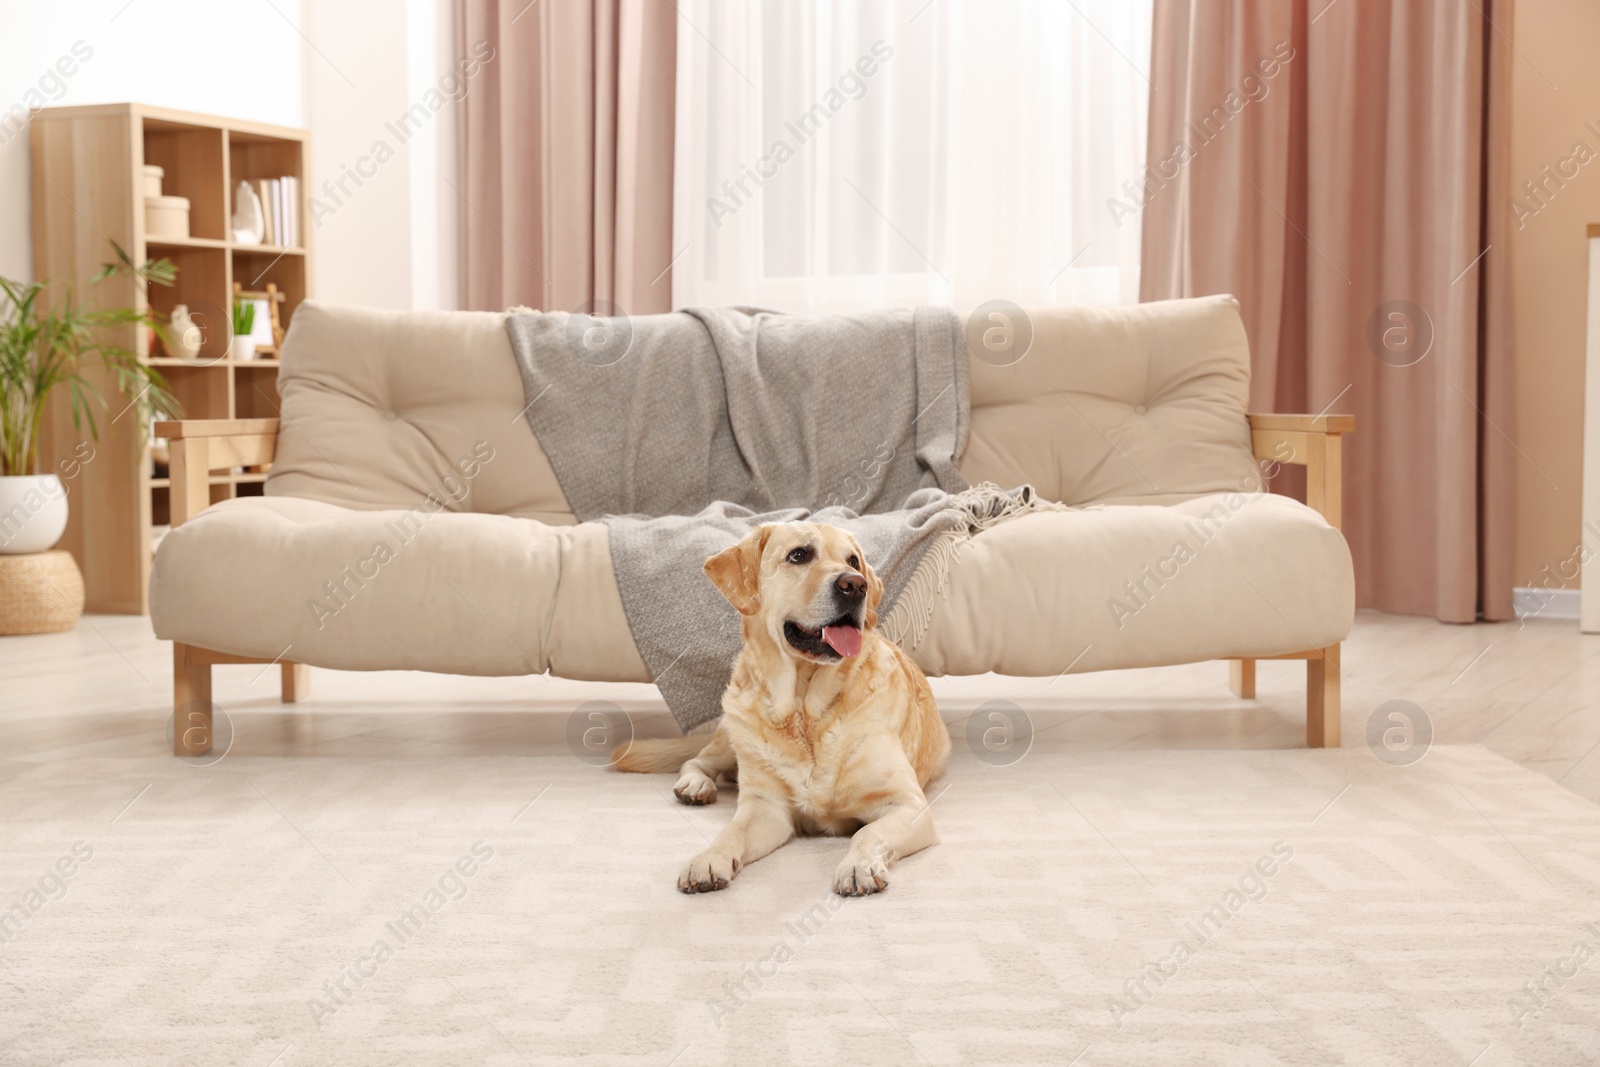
(874, 588)
(736, 570)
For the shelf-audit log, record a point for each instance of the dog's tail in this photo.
(657, 755)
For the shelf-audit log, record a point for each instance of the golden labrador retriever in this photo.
(832, 728)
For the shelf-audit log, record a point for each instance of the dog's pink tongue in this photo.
(845, 640)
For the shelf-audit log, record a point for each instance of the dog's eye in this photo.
(800, 555)
(855, 563)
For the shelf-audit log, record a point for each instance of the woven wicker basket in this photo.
(40, 593)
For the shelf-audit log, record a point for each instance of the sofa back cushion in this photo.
(1141, 403)
(383, 409)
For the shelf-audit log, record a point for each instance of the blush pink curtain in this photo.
(566, 155)
(1342, 167)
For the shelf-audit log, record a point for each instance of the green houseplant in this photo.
(49, 345)
(243, 346)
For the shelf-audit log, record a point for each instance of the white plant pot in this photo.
(33, 512)
(242, 348)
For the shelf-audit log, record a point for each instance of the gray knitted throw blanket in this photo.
(684, 431)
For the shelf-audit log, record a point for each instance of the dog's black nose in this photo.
(851, 586)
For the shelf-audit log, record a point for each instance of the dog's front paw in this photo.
(858, 876)
(708, 872)
(695, 787)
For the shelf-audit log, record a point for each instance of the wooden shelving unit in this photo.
(87, 192)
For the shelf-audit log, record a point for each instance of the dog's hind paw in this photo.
(707, 873)
(857, 877)
(695, 788)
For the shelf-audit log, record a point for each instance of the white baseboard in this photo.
(1535, 603)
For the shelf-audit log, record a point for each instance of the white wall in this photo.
(382, 207)
(342, 68)
(237, 59)
(435, 231)
(355, 82)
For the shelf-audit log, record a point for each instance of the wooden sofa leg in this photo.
(191, 701)
(1242, 678)
(1322, 699)
(296, 682)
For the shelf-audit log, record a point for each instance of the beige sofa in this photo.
(411, 520)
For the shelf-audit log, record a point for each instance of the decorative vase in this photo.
(184, 333)
(33, 512)
(248, 222)
(242, 347)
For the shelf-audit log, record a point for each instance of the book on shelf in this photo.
(291, 210)
(280, 198)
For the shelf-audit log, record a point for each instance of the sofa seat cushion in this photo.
(1096, 588)
(1213, 577)
(451, 592)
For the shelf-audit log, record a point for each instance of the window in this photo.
(832, 156)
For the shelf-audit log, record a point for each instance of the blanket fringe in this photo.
(985, 506)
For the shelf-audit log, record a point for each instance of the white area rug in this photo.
(1412, 916)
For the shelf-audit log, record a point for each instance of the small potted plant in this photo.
(47, 347)
(243, 345)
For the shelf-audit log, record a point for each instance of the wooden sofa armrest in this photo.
(1306, 423)
(197, 447)
(183, 428)
(1311, 441)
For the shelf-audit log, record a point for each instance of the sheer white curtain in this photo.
(846, 154)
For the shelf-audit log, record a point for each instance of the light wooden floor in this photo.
(1531, 694)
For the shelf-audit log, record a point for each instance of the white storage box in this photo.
(166, 216)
